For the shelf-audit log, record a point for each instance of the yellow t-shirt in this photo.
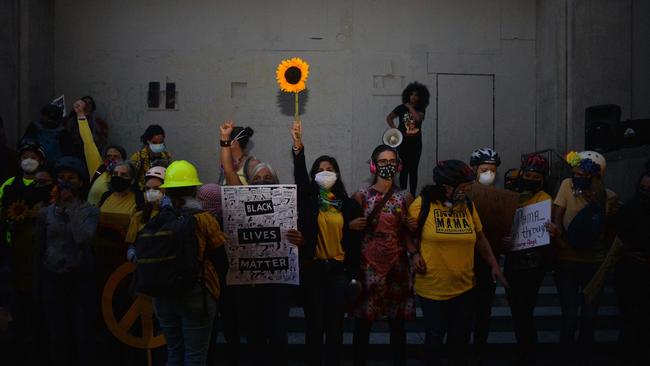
(330, 233)
(116, 204)
(447, 247)
(572, 206)
(99, 187)
(537, 198)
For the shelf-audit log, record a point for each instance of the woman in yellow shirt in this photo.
(449, 231)
(154, 152)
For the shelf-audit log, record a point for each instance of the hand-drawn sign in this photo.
(141, 308)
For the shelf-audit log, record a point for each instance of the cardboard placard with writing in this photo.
(529, 227)
(496, 207)
(256, 219)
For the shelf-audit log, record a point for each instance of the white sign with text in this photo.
(529, 227)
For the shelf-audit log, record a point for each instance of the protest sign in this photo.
(60, 102)
(529, 227)
(256, 219)
(496, 208)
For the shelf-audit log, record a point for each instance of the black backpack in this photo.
(166, 251)
(587, 227)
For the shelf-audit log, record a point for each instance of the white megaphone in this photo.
(392, 137)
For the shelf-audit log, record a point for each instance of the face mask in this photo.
(581, 183)
(325, 179)
(119, 184)
(157, 148)
(486, 178)
(153, 195)
(387, 172)
(67, 185)
(44, 192)
(29, 165)
(529, 185)
(643, 195)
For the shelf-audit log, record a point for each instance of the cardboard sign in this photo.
(496, 208)
(256, 219)
(529, 226)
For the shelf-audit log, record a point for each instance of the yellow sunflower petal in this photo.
(292, 75)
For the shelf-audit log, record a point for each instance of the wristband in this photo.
(225, 143)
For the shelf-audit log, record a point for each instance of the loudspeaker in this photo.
(601, 125)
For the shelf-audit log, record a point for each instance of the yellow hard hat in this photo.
(181, 173)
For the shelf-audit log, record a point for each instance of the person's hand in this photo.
(553, 230)
(358, 224)
(419, 264)
(498, 275)
(79, 108)
(296, 134)
(412, 224)
(295, 237)
(226, 129)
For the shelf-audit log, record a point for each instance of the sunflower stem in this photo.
(297, 114)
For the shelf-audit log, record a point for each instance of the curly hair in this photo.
(421, 91)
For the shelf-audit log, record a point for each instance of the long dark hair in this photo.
(150, 132)
(339, 188)
(422, 92)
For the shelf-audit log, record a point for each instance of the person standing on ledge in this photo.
(415, 100)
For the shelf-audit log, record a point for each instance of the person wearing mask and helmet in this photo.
(484, 162)
(525, 269)
(449, 233)
(153, 197)
(581, 216)
(153, 149)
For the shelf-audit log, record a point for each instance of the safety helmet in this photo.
(596, 158)
(453, 173)
(32, 145)
(181, 173)
(156, 172)
(535, 163)
(484, 155)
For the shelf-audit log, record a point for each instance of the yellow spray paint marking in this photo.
(142, 308)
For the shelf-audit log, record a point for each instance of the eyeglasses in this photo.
(385, 162)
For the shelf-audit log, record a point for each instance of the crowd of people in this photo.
(74, 208)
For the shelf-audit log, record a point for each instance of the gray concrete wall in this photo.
(26, 62)
(222, 56)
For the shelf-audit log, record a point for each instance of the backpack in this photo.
(587, 227)
(167, 254)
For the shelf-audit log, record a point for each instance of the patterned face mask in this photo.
(387, 172)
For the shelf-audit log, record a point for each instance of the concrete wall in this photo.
(26, 62)
(222, 56)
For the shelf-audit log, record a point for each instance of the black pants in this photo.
(485, 290)
(409, 152)
(325, 283)
(633, 292)
(265, 310)
(228, 320)
(522, 297)
(451, 317)
(361, 338)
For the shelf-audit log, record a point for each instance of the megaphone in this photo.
(392, 137)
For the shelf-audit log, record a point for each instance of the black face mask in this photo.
(43, 193)
(119, 184)
(67, 185)
(529, 185)
(581, 183)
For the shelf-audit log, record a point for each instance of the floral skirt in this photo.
(389, 296)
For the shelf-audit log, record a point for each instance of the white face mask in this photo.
(486, 178)
(29, 165)
(157, 148)
(153, 195)
(325, 179)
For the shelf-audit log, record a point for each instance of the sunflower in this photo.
(292, 75)
(18, 211)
